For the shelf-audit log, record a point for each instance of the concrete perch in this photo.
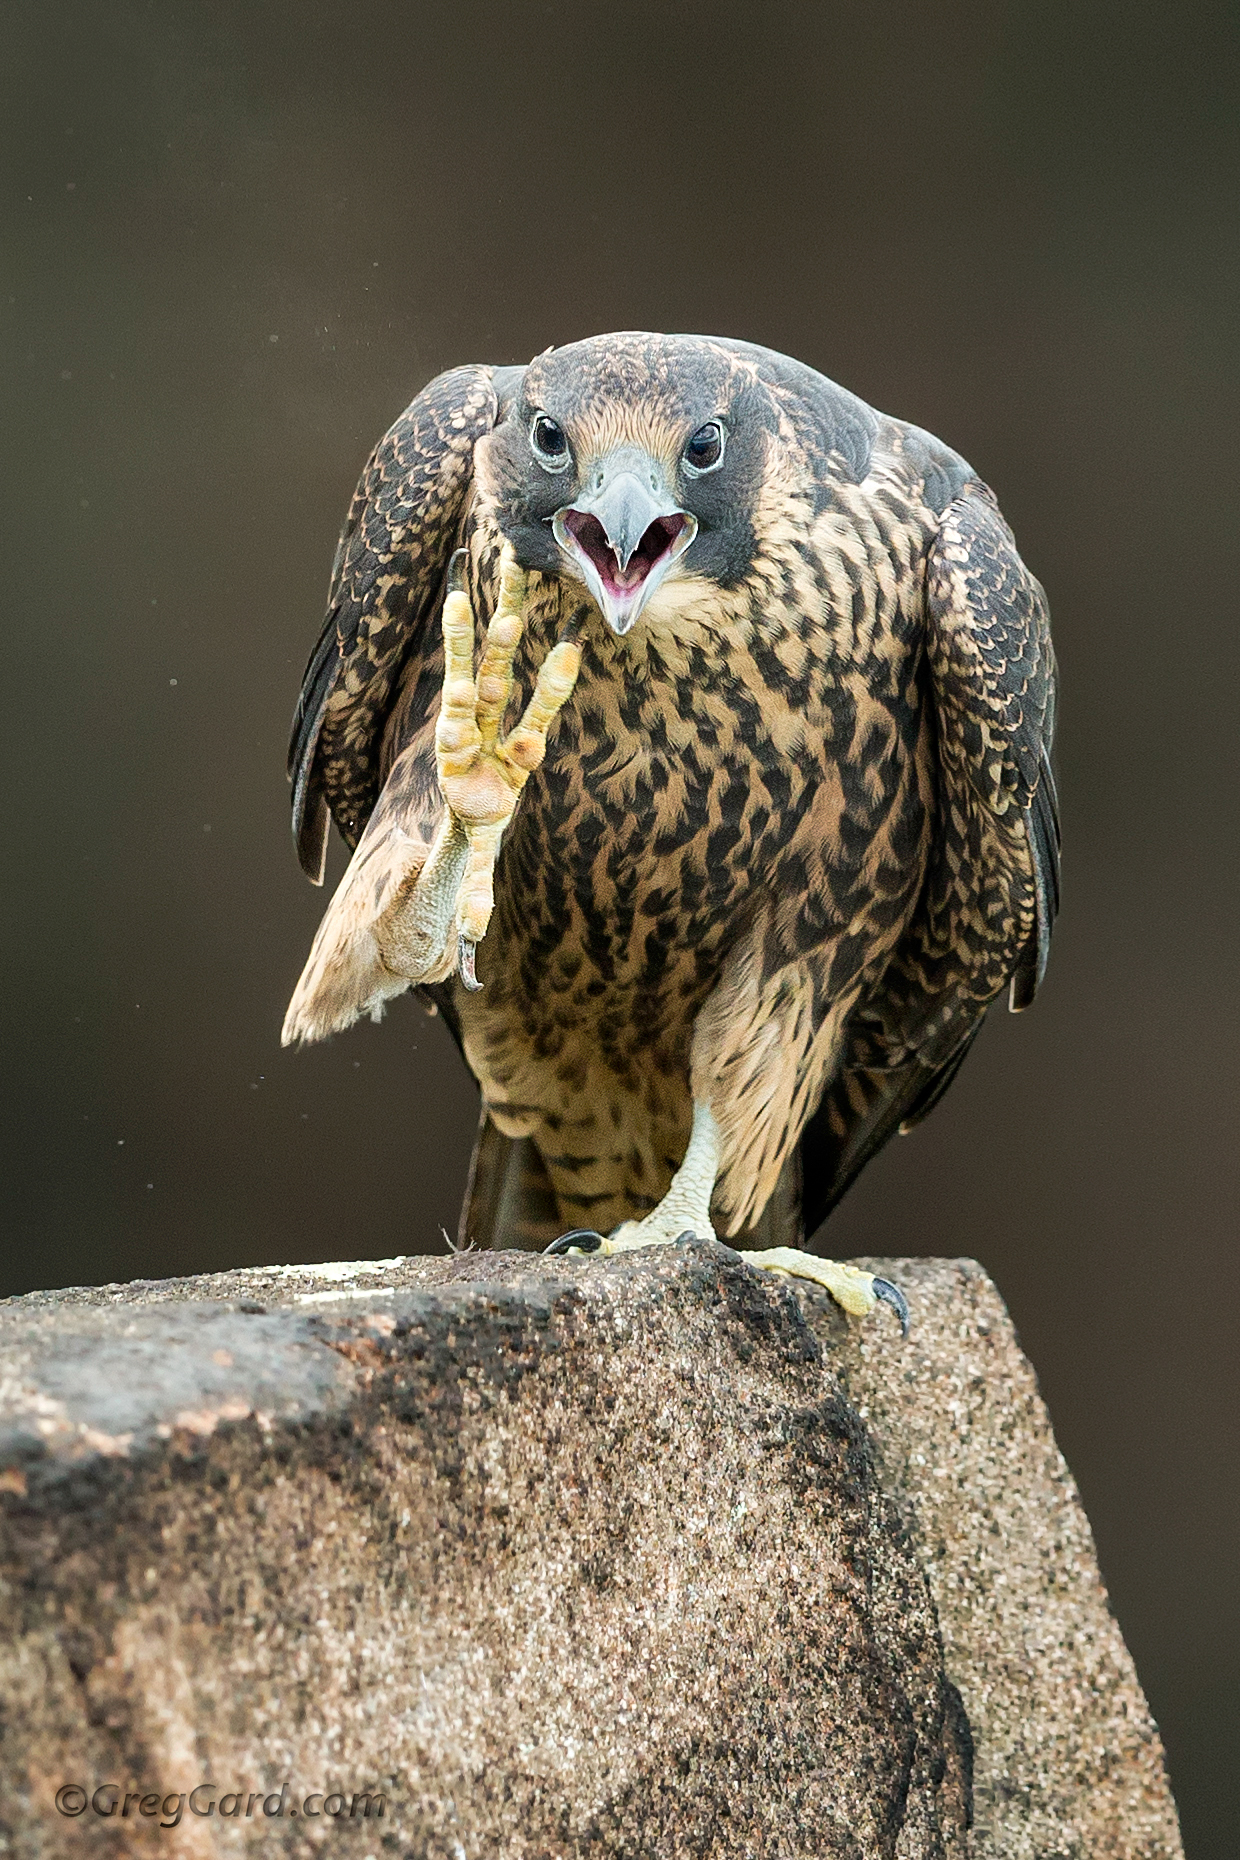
(647, 1556)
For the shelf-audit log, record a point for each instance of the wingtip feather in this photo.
(310, 835)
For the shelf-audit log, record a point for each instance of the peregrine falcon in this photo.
(690, 723)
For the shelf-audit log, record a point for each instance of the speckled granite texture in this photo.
(647, 1556)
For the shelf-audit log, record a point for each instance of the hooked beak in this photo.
(624, 534)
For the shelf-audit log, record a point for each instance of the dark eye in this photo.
(550, 445)
(705, 449)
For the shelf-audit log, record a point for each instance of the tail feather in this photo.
(509, 1200)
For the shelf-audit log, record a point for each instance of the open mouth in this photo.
(624, 535)
(655, 550)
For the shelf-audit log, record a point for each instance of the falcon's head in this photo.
(626, 462)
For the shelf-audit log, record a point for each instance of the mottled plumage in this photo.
(795, 828)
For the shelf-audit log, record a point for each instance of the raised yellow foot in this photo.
(480, 774)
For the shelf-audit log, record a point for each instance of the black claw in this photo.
(456, 571)
(684, 1238)
(583, 1238)
(465, 963)
(890, 1294)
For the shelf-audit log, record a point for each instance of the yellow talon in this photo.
(856, 1291)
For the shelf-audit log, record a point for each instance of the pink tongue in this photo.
(632, 577)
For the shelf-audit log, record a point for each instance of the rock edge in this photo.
(653, 1555)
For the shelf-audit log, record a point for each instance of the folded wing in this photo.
(362, 748)
(992, 887)
(386, 589)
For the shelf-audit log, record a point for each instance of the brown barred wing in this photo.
(386, 582)
(992, 885)
(993, 672)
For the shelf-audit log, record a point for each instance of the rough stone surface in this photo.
(646, 1556)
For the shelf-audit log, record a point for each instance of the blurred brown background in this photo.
(238, 237)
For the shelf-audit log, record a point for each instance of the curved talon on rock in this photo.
(684, 1238)
(577, 1240)
(465, 947)
(890, 1294)
(852, 1288)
